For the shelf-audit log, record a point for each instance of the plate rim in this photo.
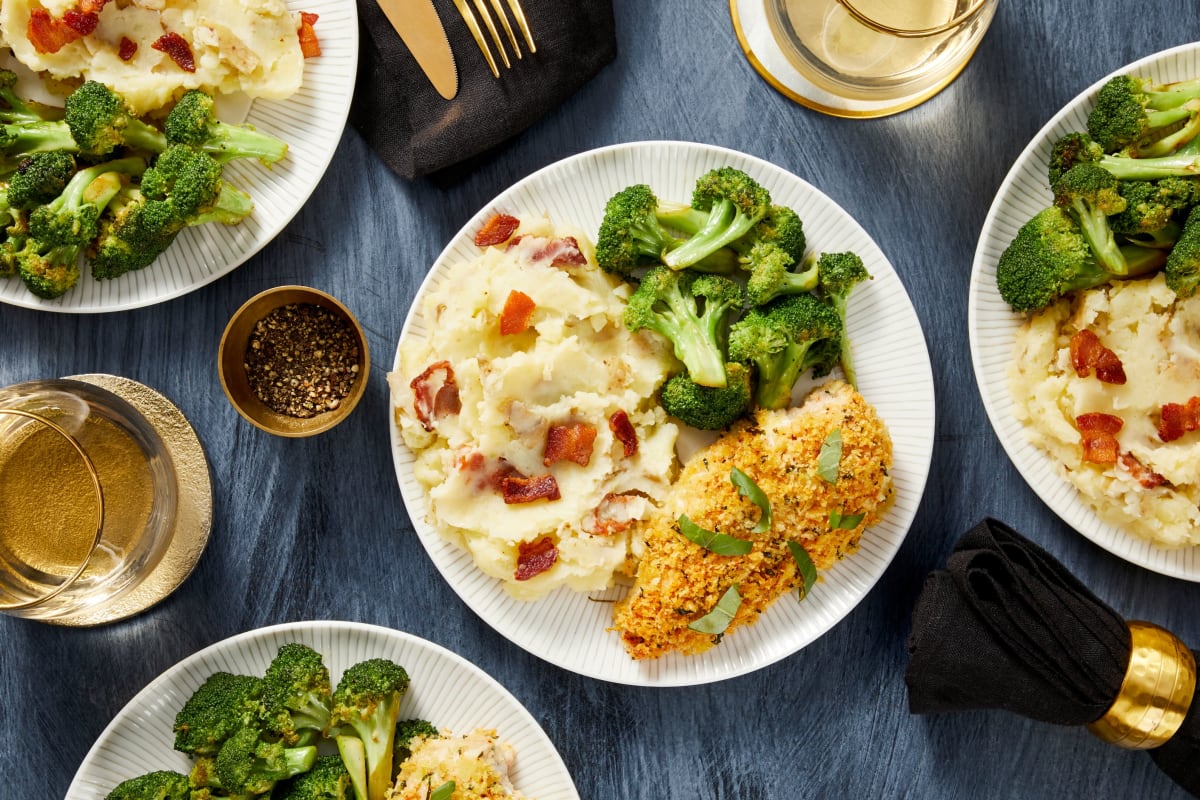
(1076, 514)
(687, 677)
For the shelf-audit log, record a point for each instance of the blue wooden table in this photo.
(315, 528)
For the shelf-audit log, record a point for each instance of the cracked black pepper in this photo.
(302, 360)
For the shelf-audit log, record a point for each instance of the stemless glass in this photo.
(87, 498)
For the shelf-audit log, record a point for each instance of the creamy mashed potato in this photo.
(576, 364)
(1157, 338)
(248, 46)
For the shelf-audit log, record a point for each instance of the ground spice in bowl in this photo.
(302, 360)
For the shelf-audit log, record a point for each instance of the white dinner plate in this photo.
(310, 121)
(993, 325)
(567, 628)
(445, 689)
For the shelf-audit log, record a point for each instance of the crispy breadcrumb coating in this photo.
(678, 581)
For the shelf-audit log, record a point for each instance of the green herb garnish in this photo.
(808, 570)
(748, 489)
(845, 522)
(716, 621)
(830, 457)
(443, 792)
(720, 543)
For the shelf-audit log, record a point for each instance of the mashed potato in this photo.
(574, 368)
(248, 46)
(1157, 338)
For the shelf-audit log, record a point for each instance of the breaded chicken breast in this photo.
(678, 581)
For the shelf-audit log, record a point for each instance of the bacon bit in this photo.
(127, 49)
(1088, 353)
(562, 252)
(497, 230)
(1099, 437)
(310, 47)
(1179, 418)
(534, 558)
(516, 314)
(623, 429)
(178, 49)
(1148, 478)
(519, 489)
(82, 22)
(571, 442)
(502, 473)
(49, 34)
(435, 394)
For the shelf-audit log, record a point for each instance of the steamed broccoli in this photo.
(1182, 269)
(15, 109)
(1138, 118)
(706, 407)
(781, 226)
(1089, 194)
(1050, 257)
(1150, 206)
(222, 705)
(327, 780)
(27, 127)
(631, 236)
(771, 274)
(735, 203)
(692, 311)
(776, 340)
(297, 694)
(100, 122)
(837, 275)
(1079, 148)
(366, 703)
(160, 785)
(248, 764)
(193, 122)
(40, 178)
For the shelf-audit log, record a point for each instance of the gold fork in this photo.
(472, 21)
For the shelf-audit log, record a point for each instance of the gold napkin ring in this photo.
(1156, 693)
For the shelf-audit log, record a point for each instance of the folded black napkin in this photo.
(417, 132)
(1006, 626)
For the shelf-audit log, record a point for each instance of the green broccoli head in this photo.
(1182, 270)
(1071, 149)
(160, 785)
(706, 407)
(72, 218)
(100, 122)
(1151, 205)
(781, 227)
(248, 764)
(132, 233)
(48, 272)
(189, 179)
(297, 694)
(1129, 115)
(192, 121)
(1090, 193)
(771, 274)
(735, 203)
(366, 701)
(327, 780)
(222, 705)
(630, 235)
(40, 178)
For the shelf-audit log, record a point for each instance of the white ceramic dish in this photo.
(993, 325)
(445, 689)
(569, 629)
(311, 122)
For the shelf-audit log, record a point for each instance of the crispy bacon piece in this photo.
(49, 34)
(1088, 353)
(1148, 478)
(310, 47)
(534, 558)
(571, 442)
(82, 22)
(516, 314)
(623, 429)
(178, 49)
(1177, 419)
(1099, 436)
(519, 489)
(435, 394)
(498, 229)
(126, 50)
(562, 252)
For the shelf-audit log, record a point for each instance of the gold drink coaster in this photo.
(1156, 693)
(194, 503)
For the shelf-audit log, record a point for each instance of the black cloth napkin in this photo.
(1006, 626)
(417, 132)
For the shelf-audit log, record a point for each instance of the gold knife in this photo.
(421, 30)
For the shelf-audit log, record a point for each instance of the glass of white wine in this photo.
(87, 498)
(876, 57)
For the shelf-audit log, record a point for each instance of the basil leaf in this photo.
(845, 522)
(719, 543)
(830, 457)
(808, 570)
(443, 792)
(716, 621)
(748, 489)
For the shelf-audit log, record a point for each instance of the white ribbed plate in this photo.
(445, 689)
(993, 325)
(568, 629)
(310, 121)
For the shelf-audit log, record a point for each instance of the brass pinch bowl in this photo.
(232, 354)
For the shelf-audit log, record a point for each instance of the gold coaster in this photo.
(194, 505)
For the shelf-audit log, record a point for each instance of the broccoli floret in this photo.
(1182, 269)
(1132, 116)
(248, 764)
(708, 408)
(692, 312)
(406, 731)
(193, 122)
(160, 785)
(100, 122)
(735, 203)
(838, 274)
(771, 274)
(781, 226)
(297, 694)
(222, 705)
(188, 178)
(1080, 148)
(776, 339)
(1089, 194)
(40, 178)
(630, 235)
(1049, 257)
(20, 140)
(1071, 149)
(16, 109)
(327, 780)
(1151, 205)
(367, 703)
